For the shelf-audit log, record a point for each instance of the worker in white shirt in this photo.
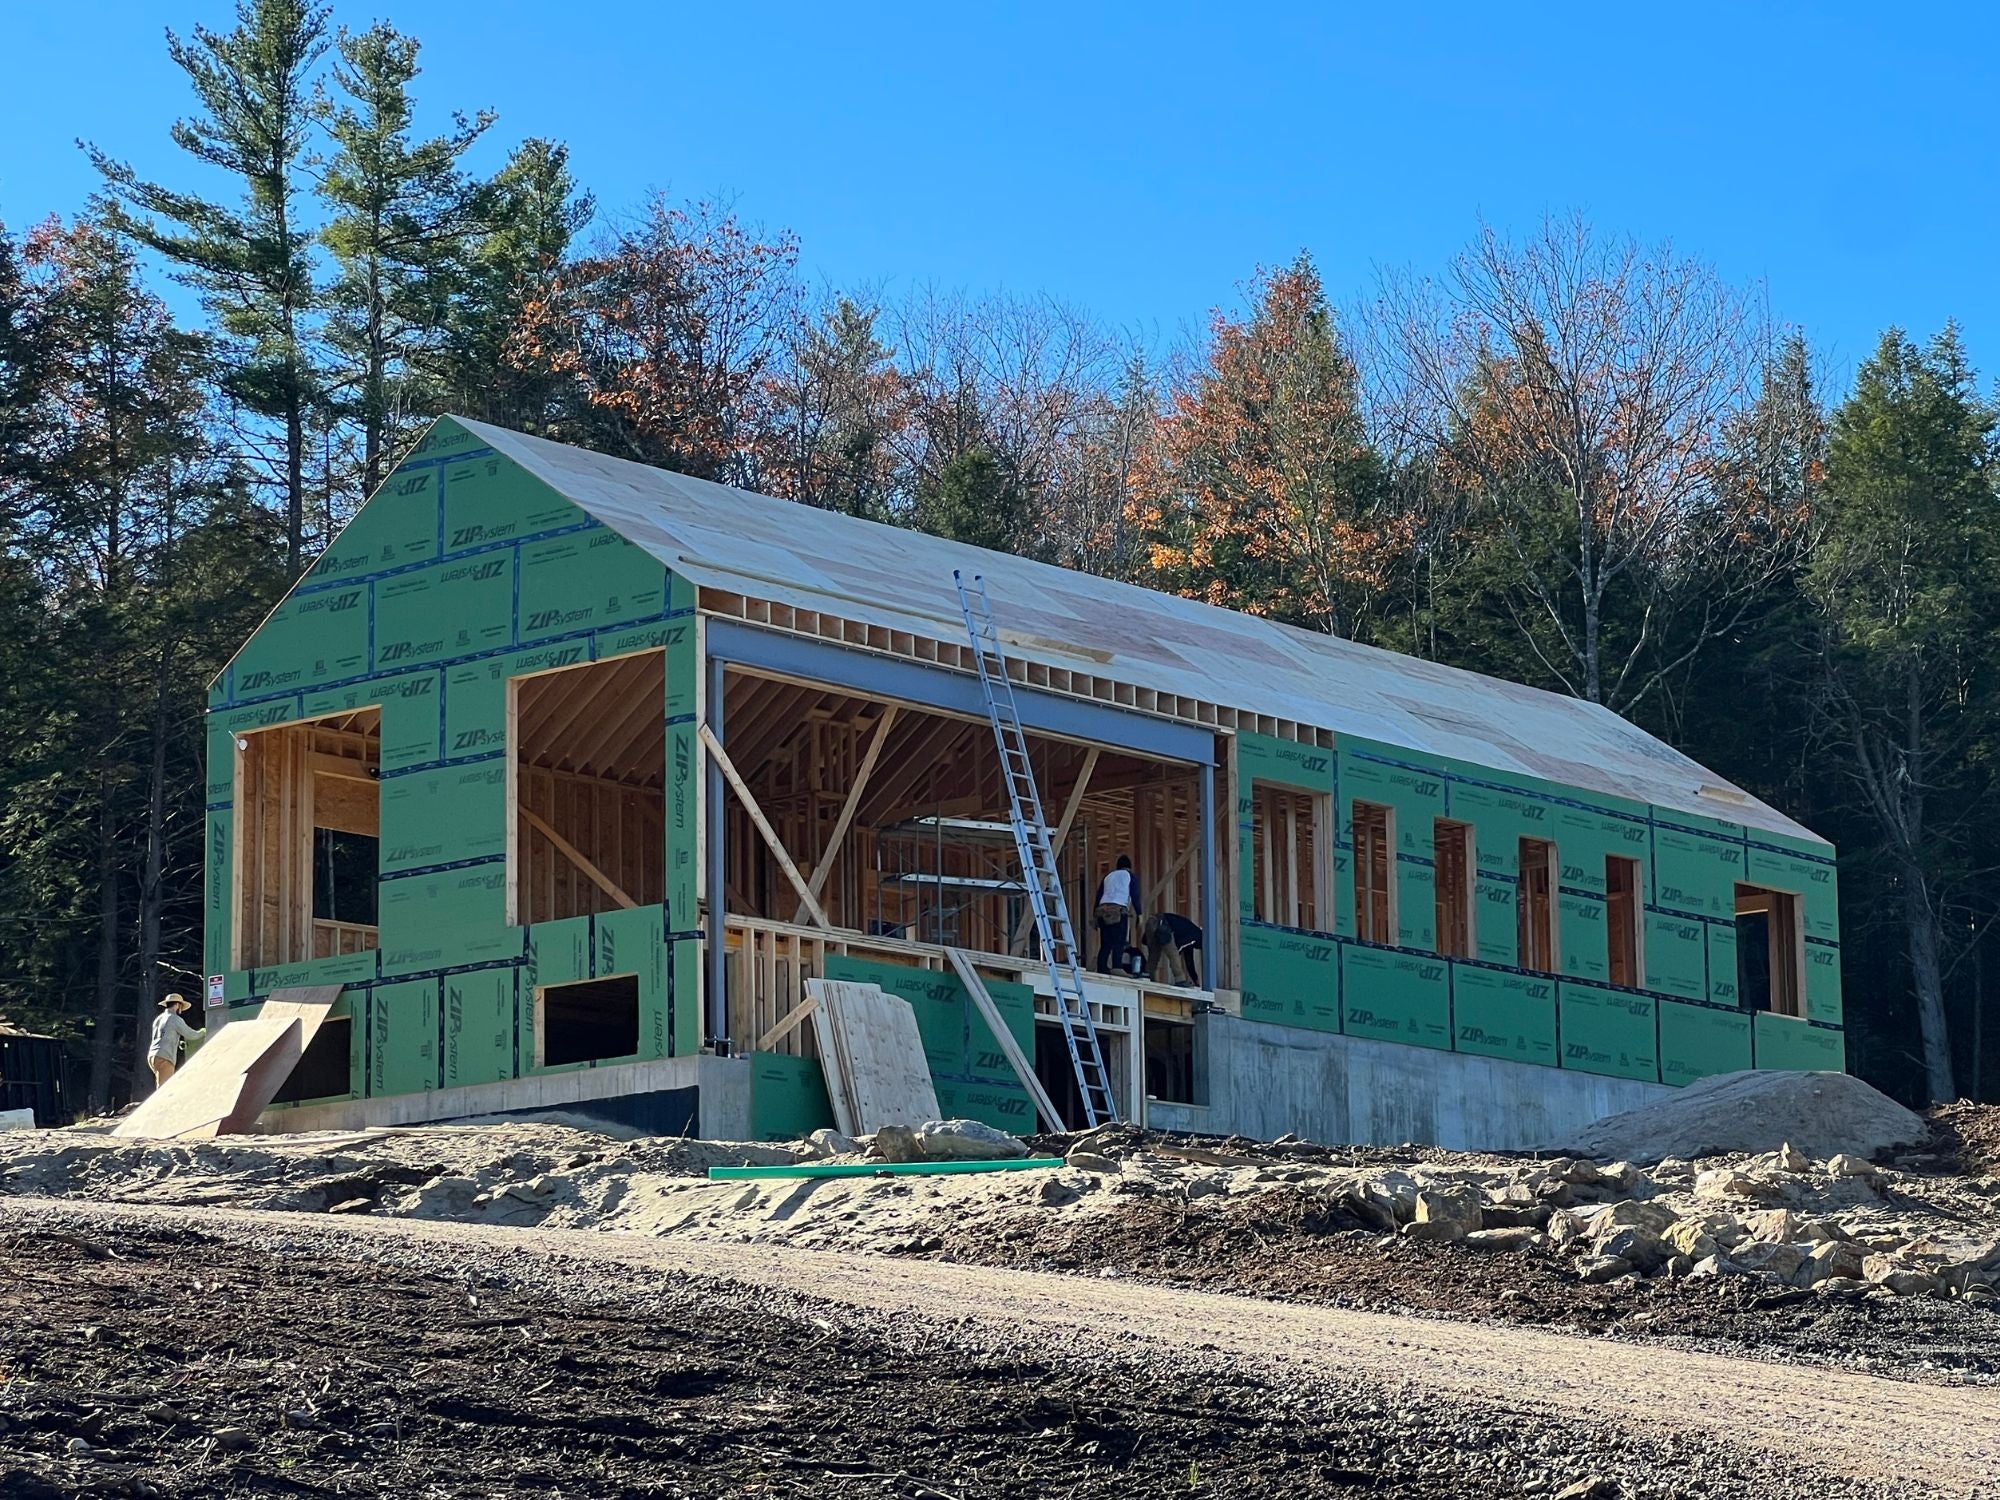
(169, 1031)
(1117, 905)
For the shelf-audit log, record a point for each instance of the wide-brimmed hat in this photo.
(178, 1002)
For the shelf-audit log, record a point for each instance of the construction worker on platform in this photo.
(1117, 905)
(169, 1031)
(1170, 932)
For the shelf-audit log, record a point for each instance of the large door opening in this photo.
(589, 747)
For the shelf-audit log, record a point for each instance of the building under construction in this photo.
(571, 772)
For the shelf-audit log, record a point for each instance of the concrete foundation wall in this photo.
(1262, 1080)
(721, 1085)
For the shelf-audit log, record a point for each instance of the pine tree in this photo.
(534, 214)
(1908, 579)
(404, 223)
(976, 499)
(251, 261)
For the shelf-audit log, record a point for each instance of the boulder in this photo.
(1687, 1237)
(1567, 1228)
(1819, 1115)
(1631, 1214)
(828, 1143)
(1640, 1249)
(1769, 1256)
(1519, 1238)
(1789, 1158)
(1732, 1182)
(968, 1140)
(1597, 1269)
(1830, 1260)
(1456, 1213)
(1779, 1224)
(1847, 1164)
(897, 1143)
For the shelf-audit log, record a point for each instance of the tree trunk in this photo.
(103, 1039)
(1922, 927)
(152, 891)
(295, 487)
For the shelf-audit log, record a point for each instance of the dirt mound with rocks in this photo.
(1821, 1114)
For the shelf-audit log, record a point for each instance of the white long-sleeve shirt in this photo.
(169, 1031)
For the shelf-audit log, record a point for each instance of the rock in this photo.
(1200, 1187)
(1641, 1249)
(1778, 1224)
(1790, 1159)
(1393, 1195)
(80, 1448)
(897, 1143)
(1514, 1216)
(968, 1140)
(1687, 1237)
(1594, 1488)
(1714, 1265)
(829, 1143)
(535, 1190)
(1730, 1182)
(1055, 1192)
(1444, 1215)
(1566, 1228)
(352, 1206)
(233, 1438)
(1596, 1269)
(1846, 1164)
(1519, 1237)
(1909, 1283)
(1836, 1286)
(1634, 1215)
(1582, 1173)
(1819, 1114)
(1678, 1266)
(1623, 1176)
(1091, 1161)
(1830, 1260)
(1769, 1256)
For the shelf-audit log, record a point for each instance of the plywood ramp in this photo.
(872, 1055)
(236, 1073)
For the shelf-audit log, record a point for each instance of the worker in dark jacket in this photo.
(1170, 932)
(1117, 905)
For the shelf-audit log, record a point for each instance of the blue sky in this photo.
(1141, 161)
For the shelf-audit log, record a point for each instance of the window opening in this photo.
(1451, 846)
(1770, 957)
(1374, 873)
(593, 1020)
(1534, 906)
(1288, 844)
(1621, 921)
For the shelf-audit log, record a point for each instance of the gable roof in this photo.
(744, 543)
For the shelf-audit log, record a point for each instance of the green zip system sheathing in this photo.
(1686, 1023)
(461, 574)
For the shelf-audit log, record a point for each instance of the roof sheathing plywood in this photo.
(883, 578)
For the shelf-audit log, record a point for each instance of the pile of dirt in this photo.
(1964, 1140)
(1822, 1114)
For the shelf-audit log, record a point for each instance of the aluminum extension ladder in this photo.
(1038, 859)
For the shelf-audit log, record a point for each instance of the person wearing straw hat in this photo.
(169, 1031)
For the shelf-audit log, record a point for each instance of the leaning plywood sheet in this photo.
(237, 1072)
(873, 1056)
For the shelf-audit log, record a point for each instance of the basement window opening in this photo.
(325, 1069)
(1288, 840)
(1770, 957)
(1534, 906)
(1169, 1061)
(1451, 847)
(593, 1020)
(1374, 873)
(1622, 940)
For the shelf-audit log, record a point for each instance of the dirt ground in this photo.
(151, 1353)
(157, 1339)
